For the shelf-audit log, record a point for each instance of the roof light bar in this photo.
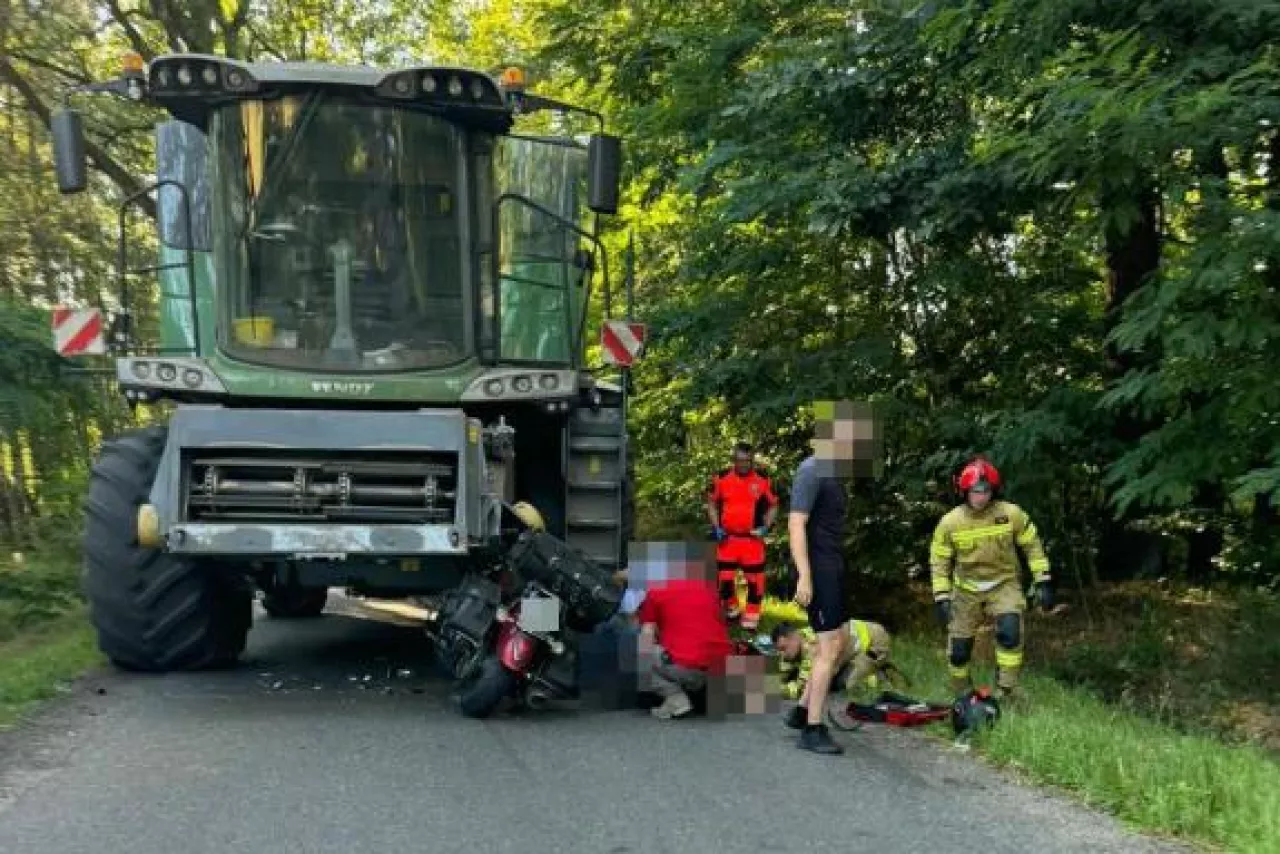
(456, 87)
(198, 75)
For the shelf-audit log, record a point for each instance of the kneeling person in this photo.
(683, 630)
(866, 657)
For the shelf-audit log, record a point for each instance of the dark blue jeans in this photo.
(607, 664)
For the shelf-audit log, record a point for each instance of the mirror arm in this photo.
(128, 86)
(530, 103)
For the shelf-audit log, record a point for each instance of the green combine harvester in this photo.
(375, 304)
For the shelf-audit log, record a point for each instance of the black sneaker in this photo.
(818, 740)
(797, 717)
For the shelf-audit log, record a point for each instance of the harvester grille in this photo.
(345, 488)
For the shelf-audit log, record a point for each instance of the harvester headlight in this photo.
(477, 88)
(235, 79)
(163, 78)
(401, 85)
(455, 86)
(549, 382)
(153, 374)
(493, 388)
(184, 76)
(210, 75)
(429, 84)
(523, 384)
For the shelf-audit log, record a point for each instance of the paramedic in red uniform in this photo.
(742, 507)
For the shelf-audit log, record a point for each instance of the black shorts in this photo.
(826, 608)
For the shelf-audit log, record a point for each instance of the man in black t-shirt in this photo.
(846, 440)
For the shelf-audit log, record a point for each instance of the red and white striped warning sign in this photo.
(78, 332)
(623, 342)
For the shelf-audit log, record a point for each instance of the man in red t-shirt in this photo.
(683, 631)
(742, 507)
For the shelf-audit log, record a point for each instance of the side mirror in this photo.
(604, 173)
(182, 157)
(68, 151)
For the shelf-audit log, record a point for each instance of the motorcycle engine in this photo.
(466, 618)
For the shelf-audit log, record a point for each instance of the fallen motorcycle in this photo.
(513, 634)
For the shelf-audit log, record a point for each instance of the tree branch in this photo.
(256, 36)
(135, 37)
(77, 76)
(120, 175)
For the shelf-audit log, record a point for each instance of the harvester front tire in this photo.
(153, 611)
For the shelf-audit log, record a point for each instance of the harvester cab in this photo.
(370, 313)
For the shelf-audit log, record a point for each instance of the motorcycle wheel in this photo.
(481, 694)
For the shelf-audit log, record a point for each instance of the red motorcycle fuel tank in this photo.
(517, 650)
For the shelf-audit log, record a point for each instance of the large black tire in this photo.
(295, 602)
(153, 612)
(481, 694)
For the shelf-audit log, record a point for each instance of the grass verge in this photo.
(38, 661)
(45, 636)
(1191, 786)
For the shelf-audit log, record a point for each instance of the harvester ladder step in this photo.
(593, 498)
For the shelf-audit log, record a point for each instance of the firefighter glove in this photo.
(942, 609)
(1044, 591)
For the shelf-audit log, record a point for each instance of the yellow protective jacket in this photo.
(975, 551)
(795, 674)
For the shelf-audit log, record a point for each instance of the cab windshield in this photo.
(338, 229)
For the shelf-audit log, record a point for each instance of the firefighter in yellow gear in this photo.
(976, 575)
(864, 662)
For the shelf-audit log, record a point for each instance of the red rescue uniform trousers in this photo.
(742, 552)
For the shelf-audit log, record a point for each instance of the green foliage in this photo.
(36, 591)
(932, 206)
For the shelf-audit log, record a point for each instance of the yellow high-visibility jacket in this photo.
(795, 674)
(975, 551)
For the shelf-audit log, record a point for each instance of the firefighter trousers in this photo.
(969, 610)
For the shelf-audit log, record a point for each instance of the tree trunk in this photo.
(1133, 256)
(1205, 543)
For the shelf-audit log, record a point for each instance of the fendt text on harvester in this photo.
(374, 299)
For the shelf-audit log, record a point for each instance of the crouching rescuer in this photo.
(863, 664)
(976, 575)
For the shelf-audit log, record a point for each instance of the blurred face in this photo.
(847, 438)
(789, 646)
(980, 496)
(743, 462)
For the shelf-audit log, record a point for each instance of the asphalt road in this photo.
(333, 738)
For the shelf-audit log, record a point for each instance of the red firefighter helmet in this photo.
(978, 470)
